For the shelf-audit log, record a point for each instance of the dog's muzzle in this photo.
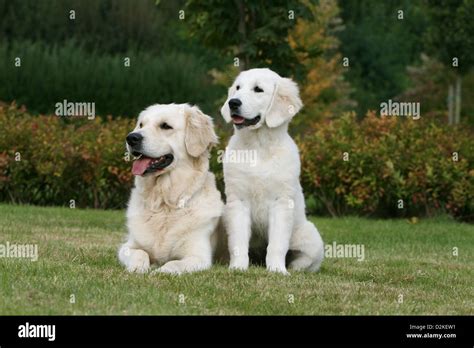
(241, 122)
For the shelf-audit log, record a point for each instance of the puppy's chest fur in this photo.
(259, 185)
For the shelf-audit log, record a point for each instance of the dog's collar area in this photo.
(247, 122)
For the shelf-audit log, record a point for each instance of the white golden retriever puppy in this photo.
(174, 207)
(265, 204)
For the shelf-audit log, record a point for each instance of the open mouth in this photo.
(146, 165)
(241, 122)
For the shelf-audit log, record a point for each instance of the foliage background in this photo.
(192, 59)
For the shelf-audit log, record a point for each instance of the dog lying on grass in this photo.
(175, 207)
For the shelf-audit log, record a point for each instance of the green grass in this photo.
(77, 255)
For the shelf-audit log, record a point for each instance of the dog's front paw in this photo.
(139, 262)
(276, 265)
(239, 264)
(275, 262)
(277, 269)
(171, 267)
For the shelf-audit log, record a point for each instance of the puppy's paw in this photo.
(172, 267)
(139, 262)
(276, 266)
(278, 269)
(239, 264)
(275, 262)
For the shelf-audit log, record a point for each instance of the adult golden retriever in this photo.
(174, 207)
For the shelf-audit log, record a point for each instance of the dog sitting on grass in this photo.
(265, 206)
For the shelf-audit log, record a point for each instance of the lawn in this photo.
(408, 269)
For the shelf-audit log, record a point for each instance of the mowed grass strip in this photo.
(408, 269)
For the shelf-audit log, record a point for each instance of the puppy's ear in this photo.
(199, 135)
(225, 110)
(285, 103)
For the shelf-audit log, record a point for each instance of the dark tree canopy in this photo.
(380, 45)
(254, 31)
(450, 33)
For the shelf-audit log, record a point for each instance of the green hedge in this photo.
(389, 159)
(109, 25)
(62, 160)
(50, 74)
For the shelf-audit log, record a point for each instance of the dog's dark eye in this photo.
(165, 125)
(257, 89)
(237, 88)
(140, 125)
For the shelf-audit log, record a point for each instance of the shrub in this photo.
(388, 160)
(49, 161)
(111, 26)
(50, 74)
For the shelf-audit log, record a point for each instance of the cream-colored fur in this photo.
(172, 216)
(265, 203)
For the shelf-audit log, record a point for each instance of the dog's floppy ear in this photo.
(225, 110)
(285, 103)
(199, 135)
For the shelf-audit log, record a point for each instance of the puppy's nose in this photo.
(234, 103)
(134, 139)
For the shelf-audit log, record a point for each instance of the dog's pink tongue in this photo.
(238, 119)
(140, 165)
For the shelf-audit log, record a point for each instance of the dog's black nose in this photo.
(234, 103)
(134, 139)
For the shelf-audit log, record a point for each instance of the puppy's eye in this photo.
(237, 88)
(165, 125)
(140, 125)
(257, 89)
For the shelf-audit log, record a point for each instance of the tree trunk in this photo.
(450, 104)
(243, 35)
(457, 114)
